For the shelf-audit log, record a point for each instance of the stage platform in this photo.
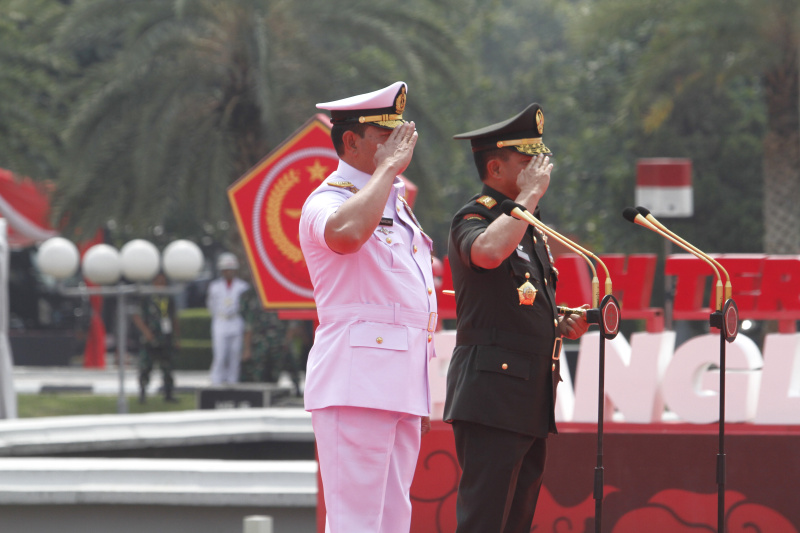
(659, 478)
(662, 475)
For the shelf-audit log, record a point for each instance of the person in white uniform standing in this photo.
(370, 264)
(227, 325)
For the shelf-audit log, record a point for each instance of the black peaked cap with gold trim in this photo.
(383, 108)
(522, 132)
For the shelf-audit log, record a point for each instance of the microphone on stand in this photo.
(725, 317)
(632, 215)
(606, 314)
(649, 216)
(519, 212)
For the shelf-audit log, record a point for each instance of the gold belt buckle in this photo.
(432, 319)
(557, 349)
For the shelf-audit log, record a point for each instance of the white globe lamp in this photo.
(58, 257)
(140, 260)
(182, 260)
(102, 264)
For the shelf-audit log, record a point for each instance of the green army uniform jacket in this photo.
(502, 373)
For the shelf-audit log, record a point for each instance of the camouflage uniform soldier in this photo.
(265, 353)
(157, 324)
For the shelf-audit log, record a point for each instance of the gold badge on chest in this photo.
(527, 292)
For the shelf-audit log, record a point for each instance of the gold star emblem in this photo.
(317, 171)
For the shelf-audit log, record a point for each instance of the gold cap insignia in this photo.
(540, 121)
(400, 101)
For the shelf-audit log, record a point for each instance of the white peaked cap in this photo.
(383, 107)
(227, 261)
(380, 98)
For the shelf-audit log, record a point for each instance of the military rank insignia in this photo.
(550, 254)
(487, 201)
(527, 292)
(410, 213)
(346, 185)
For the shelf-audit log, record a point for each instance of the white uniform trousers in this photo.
(226, 347)
(367, 459)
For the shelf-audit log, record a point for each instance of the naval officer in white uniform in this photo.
(370, 264)
(227, 325)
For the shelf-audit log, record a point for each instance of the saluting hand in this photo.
(534, 179)
(396, 152)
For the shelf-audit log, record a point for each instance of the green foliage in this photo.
(195, 323)
(695, 84)
(181, 98)
(172, 100)
(195, 340)
(29, 76)
(69, 404)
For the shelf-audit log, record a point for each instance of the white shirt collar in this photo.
(352, 174)
(360, 179)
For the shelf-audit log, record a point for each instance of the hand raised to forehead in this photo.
(398, 149)
(535, 177)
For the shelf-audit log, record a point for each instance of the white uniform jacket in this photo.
(222, 301)
(376, 307)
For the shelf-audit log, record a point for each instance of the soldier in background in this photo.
(265, 350)
(227, 326)
(157, 323)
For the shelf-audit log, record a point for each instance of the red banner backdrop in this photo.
(657, 479)
(267, 202)
(26, 205)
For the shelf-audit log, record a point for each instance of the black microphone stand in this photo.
(727, 321)
(608, 317)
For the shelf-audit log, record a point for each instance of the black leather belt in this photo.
(509, 340)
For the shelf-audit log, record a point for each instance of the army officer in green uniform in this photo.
(501, 384)
(265, 349)
(157, 324)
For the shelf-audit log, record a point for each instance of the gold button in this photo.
(430, 291)
(504, 366)
(554, 367)
(379, 340)
(389, 240)
(415, 248)
(398, 208)
(555, 322)
(430, 337)
(534, 240)
(545, 282)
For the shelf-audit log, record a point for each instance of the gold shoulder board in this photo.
(343, 185)
(488, 201)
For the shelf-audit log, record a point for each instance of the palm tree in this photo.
(29, 141)
(701, 50)
(180, 98)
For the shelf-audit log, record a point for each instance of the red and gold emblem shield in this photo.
(267, 202)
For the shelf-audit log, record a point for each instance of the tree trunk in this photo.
(782, 154)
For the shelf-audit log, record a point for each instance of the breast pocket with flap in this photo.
(379, 335)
